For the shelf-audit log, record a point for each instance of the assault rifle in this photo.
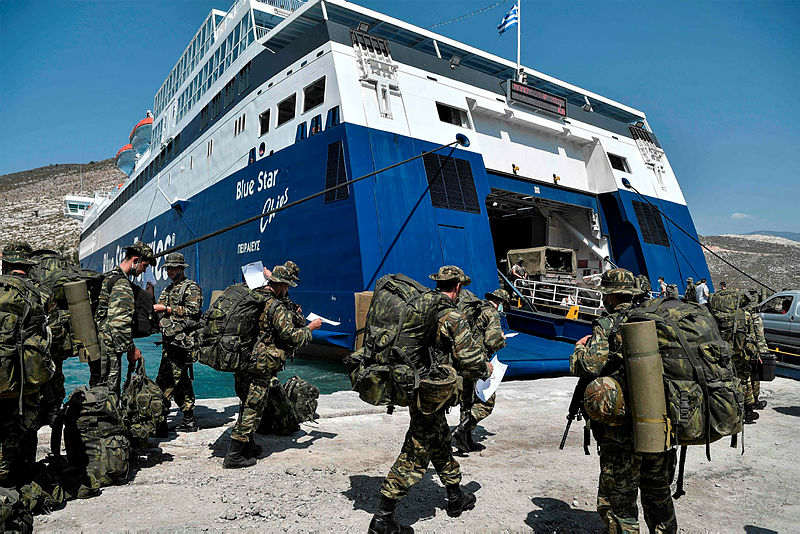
(576, 412)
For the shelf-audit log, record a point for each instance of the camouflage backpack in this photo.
(231, 328)
(25, 361)
(143, 404)
(95, 436)
(727, 307)
(280, 416)
(704, 399)
(49, 266)
(398, 336)
(303, 395)
(14, 514)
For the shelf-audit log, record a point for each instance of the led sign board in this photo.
(524, 94)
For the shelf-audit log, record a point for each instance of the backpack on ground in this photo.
(704, 398)
(25, 361)
(303, 395)
(14, 514)
(95, 436)
(398, 335)
(145, 320)
(143, 404)
(231, 329)
(280, 416)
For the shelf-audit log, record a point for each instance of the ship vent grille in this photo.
(451, 185)
(651, 224)
(335, 173)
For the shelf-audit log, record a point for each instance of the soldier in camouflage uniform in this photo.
(690, 295)
(759, 343)
(181, 304)
(114, 318)
(18, 416)
(488, 331)
(623, 472)
(428, 439)
(278, 335)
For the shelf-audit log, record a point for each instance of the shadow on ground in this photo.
(557, 516)
(424, 501)
(787, 410)
(752, 529)
(272, 444)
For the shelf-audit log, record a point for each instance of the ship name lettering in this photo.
(266, 180)
(245, 188)
(252, 246)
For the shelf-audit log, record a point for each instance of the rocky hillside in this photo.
(771, 259)
(32, 202)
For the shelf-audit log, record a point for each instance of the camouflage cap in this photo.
(18, 252)
(499, 294)
(280, 275)
(175, 259)
(143, 249)
(451, 272)
(690, 280)
(605, 402)
(294, 270)
(619, 281)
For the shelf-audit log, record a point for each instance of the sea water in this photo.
(208, 383)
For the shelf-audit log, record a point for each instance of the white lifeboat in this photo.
(140, 136)
(126, 159)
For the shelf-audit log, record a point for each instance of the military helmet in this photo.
(294, 270)
(280, 275)
(142, 249)
(18, 252)
(175, 259)
(604, 401)
(499, 294)
(619, 281)
(690, 280)
(451, 272)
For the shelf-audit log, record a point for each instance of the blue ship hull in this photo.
(386, 224)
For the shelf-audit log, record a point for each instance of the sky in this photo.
(718, 81)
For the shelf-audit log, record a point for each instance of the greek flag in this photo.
(511, 18)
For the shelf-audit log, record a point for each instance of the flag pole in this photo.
(519, 31)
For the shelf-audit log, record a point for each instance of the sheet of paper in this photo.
(486, 388)
(254, 274)
(510, 334)
(312, 316)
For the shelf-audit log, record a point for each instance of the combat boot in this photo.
(252, 449)
(187, 424)
(383, 522)
(162, 431)
(760, 404)
(460, 440)
(750, 415)
(458, 501)
(235, 459)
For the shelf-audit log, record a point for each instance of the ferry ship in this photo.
(275, 100)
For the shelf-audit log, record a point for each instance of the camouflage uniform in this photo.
(690, 295)
(760, 348)
(114, 319)
(623, 471)
(269, 355)
(185, 298)
(428, 437)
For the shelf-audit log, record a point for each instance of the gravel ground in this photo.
(326, 477)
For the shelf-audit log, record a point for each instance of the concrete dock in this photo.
(326, 477)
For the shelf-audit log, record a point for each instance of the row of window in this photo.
(222, 100)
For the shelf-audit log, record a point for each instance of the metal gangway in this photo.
(560, 297)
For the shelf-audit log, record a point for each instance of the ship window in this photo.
(252, 157)
(215, 106)
(191, 162)
(286, 110)
(244, 78)
(315, 126)
(336, 173)
(229, 92)
(451, 185)
(452, 115)
(261, 149)
(314, 94)
(301, 132)
(263, 123)
(210, 148)
(333, 117)
(204, 117)
(650, 224)
(618, 162)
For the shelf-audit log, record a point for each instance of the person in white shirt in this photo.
(701, 290)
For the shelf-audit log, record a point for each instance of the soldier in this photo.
(428, 439)
(114, 317)
(279, 334)
(623, 472)
(759, 343)
(488, 331)
(19, 410)
(690, 295)
(518, 271)
(294, 275)
(181, 303)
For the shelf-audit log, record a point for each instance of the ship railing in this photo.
(561, 296)
(261, 31)
(286, 5)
